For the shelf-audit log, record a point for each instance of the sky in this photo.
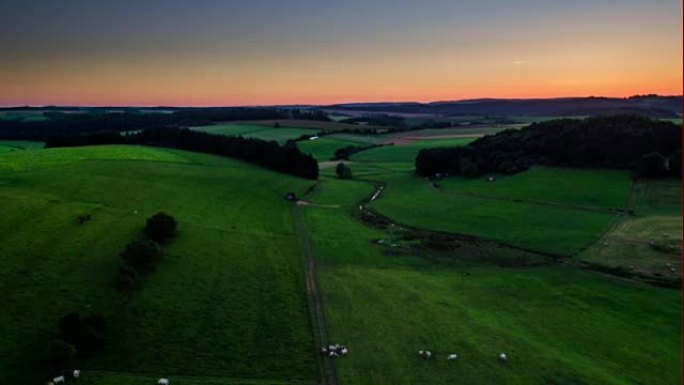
(265, 52)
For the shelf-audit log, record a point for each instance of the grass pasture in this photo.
(554, 229)
(648, 241)
(19, 145)
(405, 153)
(559, 325)
(607, 189)
(228, 301)
(323, 148)
(280, 134)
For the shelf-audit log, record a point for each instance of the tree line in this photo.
(63, 122)
(648, 147)
(268, 154)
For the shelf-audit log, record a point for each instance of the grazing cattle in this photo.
(425, 354)
(452, 356)
(344, 350)
(163, 381)
(58, 380)
(333, 355)
(76, 373)
(503, 357)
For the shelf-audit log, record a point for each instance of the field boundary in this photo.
(314, 296)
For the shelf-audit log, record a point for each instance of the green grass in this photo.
(323, 148)
(572, 187)
(557, 324)
(406, 153)
(227, 301)
(412, 201)
(647, 242)
(19, 145)
(280, 134)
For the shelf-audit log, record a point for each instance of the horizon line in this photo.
(329, 104)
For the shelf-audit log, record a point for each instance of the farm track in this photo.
(314, 295)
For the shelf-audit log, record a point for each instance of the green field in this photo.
(19, 145)
(228, 301)
(229, 304)
(280, 134)
(323, 148)
(554, 229)
(651, 239)
(557, 324)
(571, 187)
(406, 153)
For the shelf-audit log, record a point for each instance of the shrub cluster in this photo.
(79, 337)
(141, 256)
(343, 171)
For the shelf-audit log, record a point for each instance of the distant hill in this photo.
(648, 105)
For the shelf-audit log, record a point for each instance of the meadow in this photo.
(607, 189)
(19, 145)
(229, 305)
(413, 201)
(227, 302)
(558, 324)
(649, 242)
(323, 148)
(280, 134)
(405, 153)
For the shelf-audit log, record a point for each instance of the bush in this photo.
(343, 171)
(142, 255)
(86, 334)
(61, 355)
(160, 226)
(127, 278)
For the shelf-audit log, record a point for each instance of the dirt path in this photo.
(316, 310)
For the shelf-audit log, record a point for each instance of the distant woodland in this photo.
(648, 147)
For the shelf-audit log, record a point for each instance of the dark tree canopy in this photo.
(87, 334)
(61, 355)
(160, 226)
(87, 121)
(343, 171)
(143, 255)
(623, 141)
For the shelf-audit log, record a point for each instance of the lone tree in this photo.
(86, 333)
(343, 171)
(61, 355)
(142, 255)
(160, 226)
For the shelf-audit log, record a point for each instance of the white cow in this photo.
(76, 373)
(58, 380)
(333, 355)
(452, 356)
(503, 357)
(344, 351)
(163, 381)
